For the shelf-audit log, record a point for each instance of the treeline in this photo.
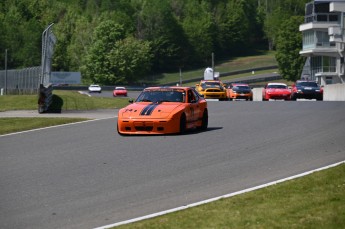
(124, 41)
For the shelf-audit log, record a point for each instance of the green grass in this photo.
(18, 102)
(10, 125)
(314, 201)
(238, 63)
(63, 100)
(72, 100)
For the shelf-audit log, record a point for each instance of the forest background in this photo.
(126, 41)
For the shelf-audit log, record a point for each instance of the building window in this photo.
(322, 39)
(322, 64)
(312, 39)
(308, 40)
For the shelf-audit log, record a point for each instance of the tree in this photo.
(234, 20)
(115, 59)
(98, 67)
(130, 61)
(198, 25)
(156, 23)
(289, 42)
(276, 12)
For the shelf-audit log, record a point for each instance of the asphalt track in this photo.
(85, 175)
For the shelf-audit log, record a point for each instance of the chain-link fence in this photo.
(20, 82)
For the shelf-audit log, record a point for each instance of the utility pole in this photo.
(5, 71)
(213, 65)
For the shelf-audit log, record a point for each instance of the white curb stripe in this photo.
(217, 198)
(49, 127)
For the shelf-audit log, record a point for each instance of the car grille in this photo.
(143, 126)
(309, 91)
(213, 90)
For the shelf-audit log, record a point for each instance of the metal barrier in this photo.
(20, 82)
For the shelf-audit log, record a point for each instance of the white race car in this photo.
(95, 88)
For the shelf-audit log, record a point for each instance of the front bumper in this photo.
(147, 127)
(308, 95)
(214, 95)
(241, 96)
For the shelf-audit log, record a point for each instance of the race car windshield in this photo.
(277, 86)
(210, 85)
(241, 88)
(161, 96)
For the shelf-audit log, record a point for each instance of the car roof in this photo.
(94, 85)
(120, 88)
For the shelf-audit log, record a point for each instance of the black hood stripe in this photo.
(148, 109)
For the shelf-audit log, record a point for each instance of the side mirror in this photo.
(130, 100)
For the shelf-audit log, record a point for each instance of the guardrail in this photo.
(334, 92)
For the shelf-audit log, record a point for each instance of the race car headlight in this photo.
(299, 90)
(317, 90)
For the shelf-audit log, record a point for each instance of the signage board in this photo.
(65, 78)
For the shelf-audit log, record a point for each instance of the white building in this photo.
(324, 41)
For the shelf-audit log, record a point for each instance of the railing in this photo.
(318, 45)
(22, 81)
(322, 17)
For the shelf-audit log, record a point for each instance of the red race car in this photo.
(163, 110)
(276, 91)
(120, 91)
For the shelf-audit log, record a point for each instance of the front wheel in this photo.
(204, 122)
(183, 123)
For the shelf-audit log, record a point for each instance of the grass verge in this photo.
(62, 100)
(313, 201)
(10, 125)
(234, 64)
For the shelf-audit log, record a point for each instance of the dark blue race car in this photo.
(306, 90)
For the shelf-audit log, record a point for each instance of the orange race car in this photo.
(163, 110)
(239, 91)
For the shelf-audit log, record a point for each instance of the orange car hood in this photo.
(150, 110)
